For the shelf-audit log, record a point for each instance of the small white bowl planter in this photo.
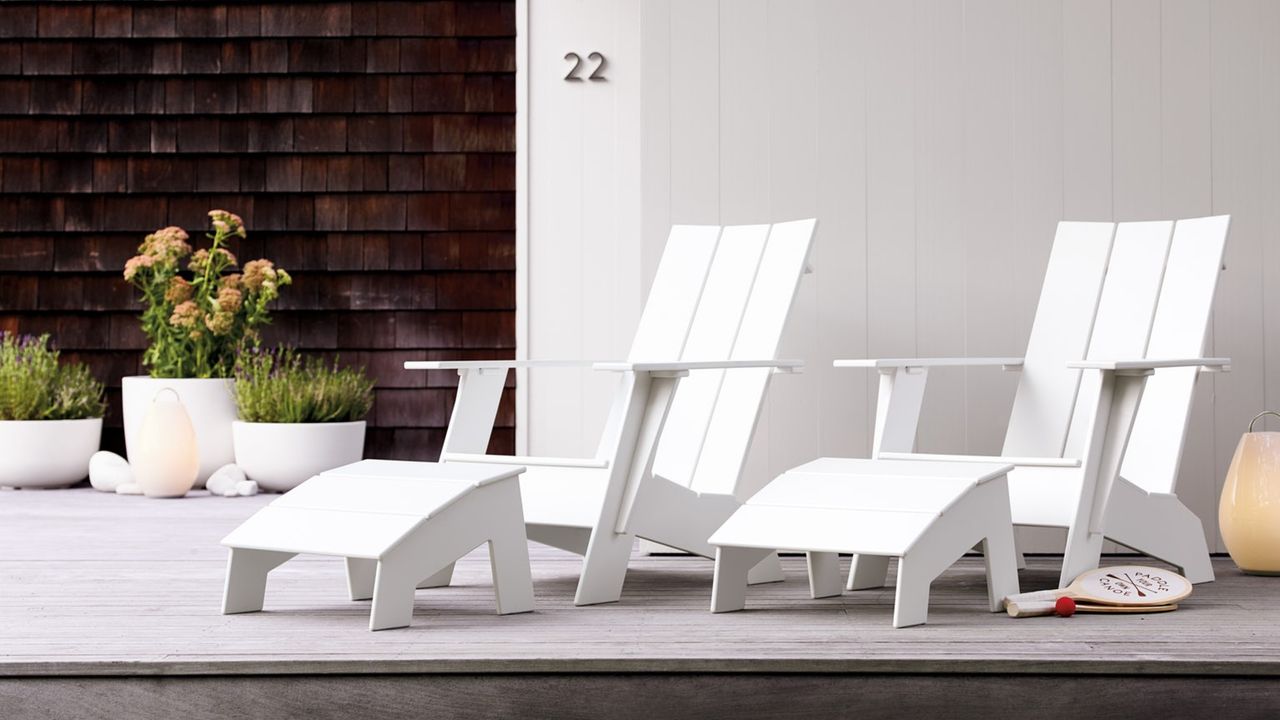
(47, 453)
(210, 402)
(279, 456)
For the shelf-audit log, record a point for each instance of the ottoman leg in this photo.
(911, 600)
(824, 574)
(360, 576)
(999, 550)
(512, 580)
(767, 570)
(440, 579)
(392, 597)
(729, 589)
(246, 585)
(868, 572)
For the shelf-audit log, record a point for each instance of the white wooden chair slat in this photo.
(1046, 393)
(893, 468)
(711, 337)
(1180, 329)
(738, 405)
(410, 496)
(824, 529)
(862, 492)
(673, 297)
(1125, 311)
(325, 532)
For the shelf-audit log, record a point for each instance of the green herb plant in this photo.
(281, 386)
(35, 386)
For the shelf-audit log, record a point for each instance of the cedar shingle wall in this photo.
(368, 145)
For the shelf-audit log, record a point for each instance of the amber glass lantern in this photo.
(1249, 512)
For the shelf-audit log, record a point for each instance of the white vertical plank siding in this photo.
(938, 142)
(1186, 104)
(791, 150)
(1269, 184)
(988, 217)
(940, 243)
(1237, 43)
(845, 401)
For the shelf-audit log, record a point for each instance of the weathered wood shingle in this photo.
(368, 145)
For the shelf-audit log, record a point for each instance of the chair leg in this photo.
(1190, 554)
(360, 576)
(246, 584)
(868, 572)
(1162, 527)
(729, 588)
(1083, 553)
(766, 571)
(512, 579)
(604, 568)
(824, 574)
(911, 598)
(440, 579)
(392, 596)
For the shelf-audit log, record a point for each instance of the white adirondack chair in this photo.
(1118, 304)
(668, 465)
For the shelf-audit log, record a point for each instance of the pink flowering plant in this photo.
(198, 320)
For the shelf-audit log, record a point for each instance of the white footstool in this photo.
(927, 514)
(398, 524)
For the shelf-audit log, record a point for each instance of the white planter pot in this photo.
(279, 456)
(47, 453)
(209, 401)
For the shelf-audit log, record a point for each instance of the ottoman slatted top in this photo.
(398, 524)
(926, 513)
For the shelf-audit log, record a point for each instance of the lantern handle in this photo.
(178, 397)
(1260, 415)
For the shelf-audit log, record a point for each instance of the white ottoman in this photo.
(928, 514)
(397, 523)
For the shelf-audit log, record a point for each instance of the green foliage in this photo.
(281, 387)
(198, 321)
(34, 386)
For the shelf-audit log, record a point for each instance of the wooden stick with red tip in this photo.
(1121, 589)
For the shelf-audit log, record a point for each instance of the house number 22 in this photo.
(574, 72)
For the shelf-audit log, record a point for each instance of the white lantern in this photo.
(1249, 512)
(168, 460)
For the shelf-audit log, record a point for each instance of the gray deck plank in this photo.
(95, 584)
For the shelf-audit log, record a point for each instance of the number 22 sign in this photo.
(574, 73)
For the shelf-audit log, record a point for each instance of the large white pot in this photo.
(279, 456)
(47, 453)
(209, 402)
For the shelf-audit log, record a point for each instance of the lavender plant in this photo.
(35, 386)
(281, 386)
(200, 320)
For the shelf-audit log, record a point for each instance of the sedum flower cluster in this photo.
(199, 316)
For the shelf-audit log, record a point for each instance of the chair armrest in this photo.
(894, 363)
(1209, 364)
(492, 364)
(686, 366)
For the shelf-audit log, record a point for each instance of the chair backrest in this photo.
(1179, 331)
(673, 297)
(1046, 394)
(713, 333)
(1125, 311)
(709, 430)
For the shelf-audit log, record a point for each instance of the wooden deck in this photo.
(95, 587)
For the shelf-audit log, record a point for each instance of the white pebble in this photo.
(224, 480)
(129, 488)
(246, 488)
(108, 471)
